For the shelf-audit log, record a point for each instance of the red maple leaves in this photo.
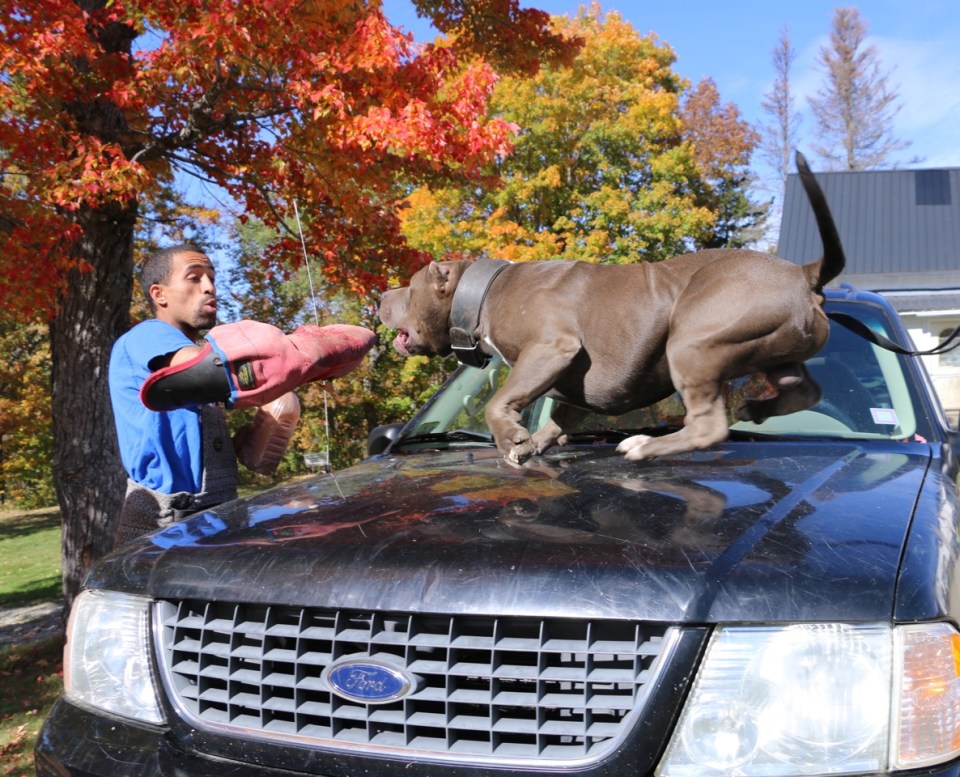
(323, 103)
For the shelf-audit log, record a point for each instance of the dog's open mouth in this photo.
(402, 342)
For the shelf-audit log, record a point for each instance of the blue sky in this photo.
(731, 42)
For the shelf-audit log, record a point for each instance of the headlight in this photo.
(107, 656)
(926, 724)
(820, 699)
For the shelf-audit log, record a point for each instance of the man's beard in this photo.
(205, 319)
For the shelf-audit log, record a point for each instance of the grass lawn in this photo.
(29, 557)
(30, 675)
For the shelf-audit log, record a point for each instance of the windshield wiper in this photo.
(454, 435)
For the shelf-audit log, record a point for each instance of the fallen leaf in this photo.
(13, 744)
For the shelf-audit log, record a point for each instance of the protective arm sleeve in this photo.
(248, 363)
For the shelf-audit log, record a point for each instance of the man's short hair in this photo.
(156, 267)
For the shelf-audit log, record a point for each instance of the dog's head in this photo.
(421, 311)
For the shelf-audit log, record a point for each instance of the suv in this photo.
(784, 603)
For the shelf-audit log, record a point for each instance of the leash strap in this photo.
(858, 327)
(465, 313)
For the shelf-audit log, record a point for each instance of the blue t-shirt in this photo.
(161, 451)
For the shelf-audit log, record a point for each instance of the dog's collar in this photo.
(465, 313)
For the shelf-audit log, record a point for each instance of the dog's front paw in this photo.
(546, 439)
(636, 448)
(516, 446)
(521, 452)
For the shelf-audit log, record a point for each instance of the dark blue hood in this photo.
(779, 531)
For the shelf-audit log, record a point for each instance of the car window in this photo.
(460, 403)
(865, 392)
(866, 395)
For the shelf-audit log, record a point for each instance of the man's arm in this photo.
(181, 356)
(173, 358)
(248, 363)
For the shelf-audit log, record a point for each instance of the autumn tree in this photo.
(26, 437)
(780, 134)
(855, 108)
(604, 168)
(723, 144)
(106, 102)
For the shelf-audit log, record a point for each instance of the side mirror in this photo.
(382, 437)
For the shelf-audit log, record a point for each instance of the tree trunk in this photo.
(93, 311)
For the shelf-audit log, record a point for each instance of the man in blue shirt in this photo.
(166, 389)
(181, 460)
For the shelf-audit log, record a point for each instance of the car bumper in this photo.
(77, 742)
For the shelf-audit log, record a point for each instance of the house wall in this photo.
(900, 231)
(926, 332)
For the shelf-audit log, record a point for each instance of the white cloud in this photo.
(925, 74)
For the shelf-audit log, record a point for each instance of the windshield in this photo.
(866, 395)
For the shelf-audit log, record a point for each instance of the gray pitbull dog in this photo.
(614, 338)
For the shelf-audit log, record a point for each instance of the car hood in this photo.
(779, 531)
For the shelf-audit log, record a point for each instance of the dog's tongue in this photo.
(400, 343)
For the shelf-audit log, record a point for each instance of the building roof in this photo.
(944, 302)
(899, 228)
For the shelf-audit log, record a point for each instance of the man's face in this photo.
(188, 300)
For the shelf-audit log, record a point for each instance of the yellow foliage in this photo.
(600, 171)
(25, 425)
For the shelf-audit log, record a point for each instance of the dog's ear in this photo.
(439, 276)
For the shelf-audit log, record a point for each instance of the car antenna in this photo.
(316, 318)
(306, 259)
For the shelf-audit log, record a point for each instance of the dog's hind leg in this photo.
(705, 424)
(697, 371)
(797, 390)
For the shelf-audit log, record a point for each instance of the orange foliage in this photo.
(321, 102)
(722, 140)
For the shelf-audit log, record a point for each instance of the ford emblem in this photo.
(368, 681)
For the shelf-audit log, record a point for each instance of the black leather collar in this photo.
(465, 313)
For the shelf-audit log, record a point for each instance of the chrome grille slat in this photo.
(490, 689)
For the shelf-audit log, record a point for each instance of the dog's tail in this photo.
(831, 265)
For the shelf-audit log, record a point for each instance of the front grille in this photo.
(487, 689)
